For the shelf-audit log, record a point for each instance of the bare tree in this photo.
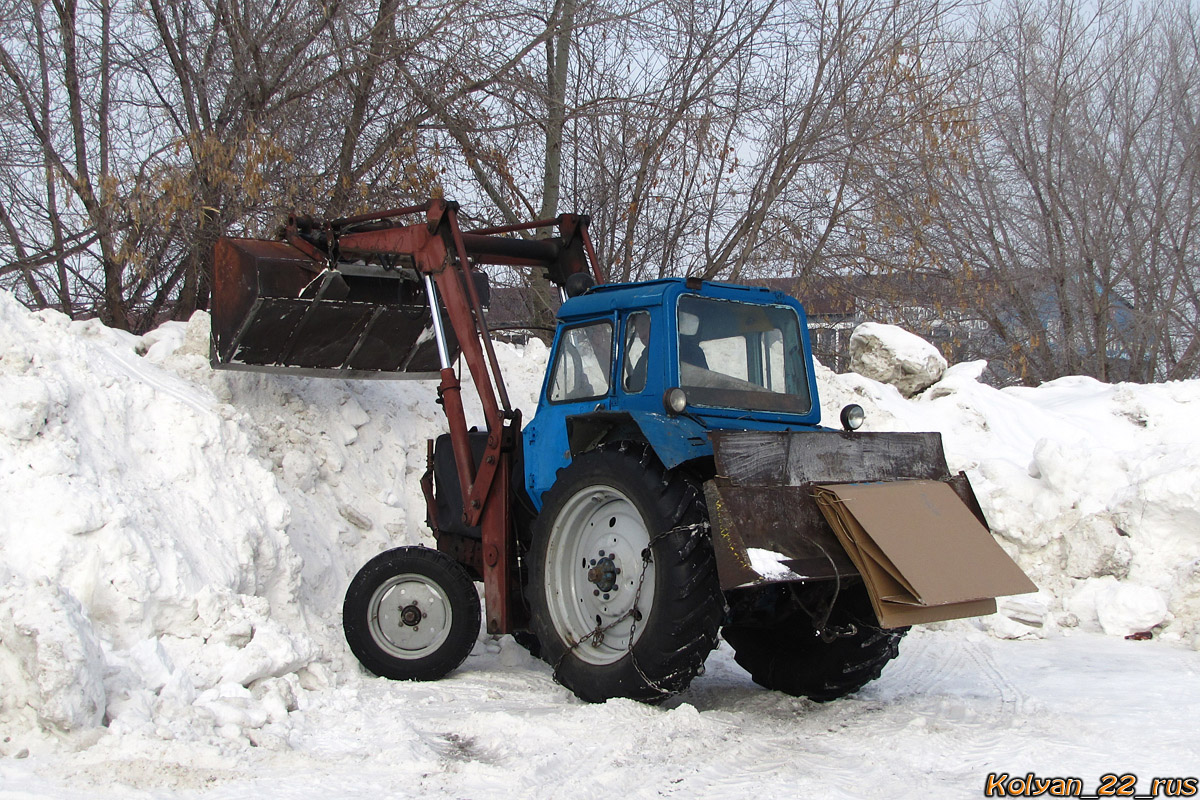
(1036, 186)
(233, 83)
(162, 124)
(732, 138)
(59, 73)
(1067, 228)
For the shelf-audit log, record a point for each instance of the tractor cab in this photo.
(665, 362)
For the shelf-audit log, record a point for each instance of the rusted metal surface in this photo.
(244, 270)
(778, 519)
(274, 309)
(499, 552)
(794, 458)
(379, 215)
(481, 327)
(464, 550)
(729, 546)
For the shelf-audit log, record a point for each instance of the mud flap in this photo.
(805, 506)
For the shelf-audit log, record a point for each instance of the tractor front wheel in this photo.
(411, 614)
(623, 588)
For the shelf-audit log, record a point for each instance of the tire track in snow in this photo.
(1012, 700)
(933, 665)
(919, 668)
(954, 705)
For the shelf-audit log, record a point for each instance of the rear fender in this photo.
(553, 438)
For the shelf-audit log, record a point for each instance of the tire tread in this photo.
(672, 650)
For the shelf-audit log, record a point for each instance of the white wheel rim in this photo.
(594, 565)
(409, 616)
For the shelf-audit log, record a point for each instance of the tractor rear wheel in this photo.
(411, 614)
(623, 588)
(793, 657)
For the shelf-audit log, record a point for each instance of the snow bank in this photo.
(176, 541)
(132, 504)
(1091, 487)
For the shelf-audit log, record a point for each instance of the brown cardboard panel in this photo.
(900, 608)
(920, 549)
(894, 615)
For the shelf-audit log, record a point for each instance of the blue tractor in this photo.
(674, 485)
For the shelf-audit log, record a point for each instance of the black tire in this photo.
(529, 641)
(591, 590)
(411, 614)
(792, 657)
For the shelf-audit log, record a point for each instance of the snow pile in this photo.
(146, 553)
(1092, 487)
(889, 354)
(176, 541)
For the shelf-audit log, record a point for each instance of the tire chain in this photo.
(597, 635)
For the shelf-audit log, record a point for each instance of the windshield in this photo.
(742, 355)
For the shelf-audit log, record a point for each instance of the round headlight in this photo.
(853, 416)
(675, 400)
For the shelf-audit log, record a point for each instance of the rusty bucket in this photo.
(277, 309)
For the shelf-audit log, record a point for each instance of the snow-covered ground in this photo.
(175, 543)
(952, 709)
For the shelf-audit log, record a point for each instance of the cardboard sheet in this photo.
(922, 553)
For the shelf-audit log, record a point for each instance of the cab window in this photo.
(637, 352)
(583, 364)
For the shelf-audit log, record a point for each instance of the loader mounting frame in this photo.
(442, 256)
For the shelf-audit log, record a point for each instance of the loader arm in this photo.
(272, 296)
(485, 492)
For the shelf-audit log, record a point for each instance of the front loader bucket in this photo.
(828, 505)
(277, 309)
